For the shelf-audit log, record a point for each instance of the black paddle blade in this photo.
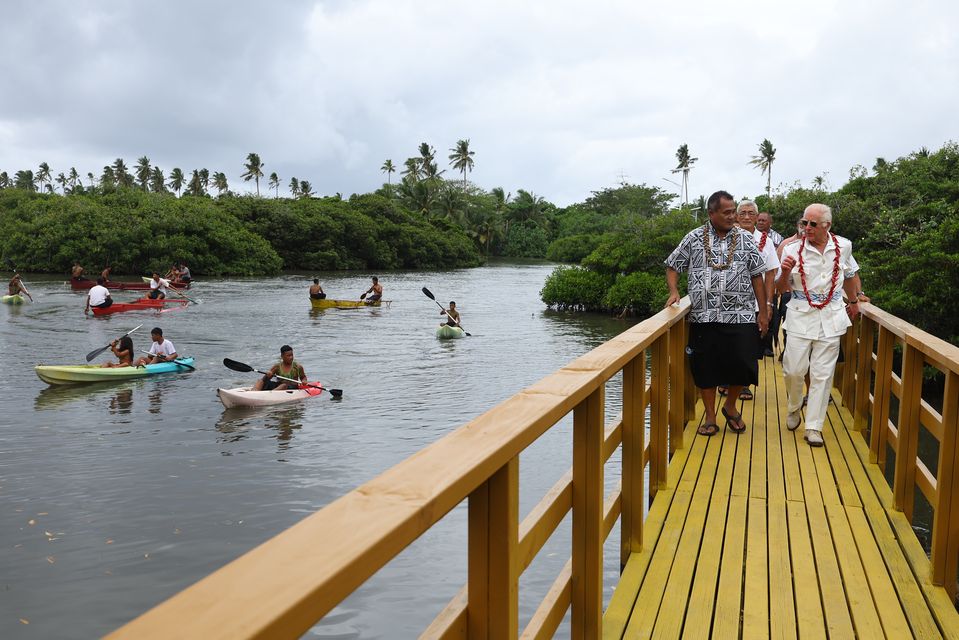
(429, 294)
(96, 352)
(237, 366)
(10, 264)
(336, 393)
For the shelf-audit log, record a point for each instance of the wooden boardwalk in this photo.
(761, 536)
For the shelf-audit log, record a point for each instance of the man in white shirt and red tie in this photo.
(817, 270)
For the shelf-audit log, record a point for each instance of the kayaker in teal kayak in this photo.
(161, 350)
(123, 350)
(287, 367)
(452, 316)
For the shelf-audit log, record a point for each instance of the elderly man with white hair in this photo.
(816, 269)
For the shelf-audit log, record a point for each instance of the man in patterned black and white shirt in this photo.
(725, 282)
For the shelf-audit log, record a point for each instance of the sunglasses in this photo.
(811, 223)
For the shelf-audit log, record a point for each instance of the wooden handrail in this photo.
(284, 586)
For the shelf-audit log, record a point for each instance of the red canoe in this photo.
(144, 304)
(80, 285)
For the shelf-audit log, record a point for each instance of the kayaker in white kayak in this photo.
(123, 350)
(158, 287)
(452, 316)
(98, 296)
(161, 350)
(287, 367)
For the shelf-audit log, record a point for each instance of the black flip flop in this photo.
(731, 421)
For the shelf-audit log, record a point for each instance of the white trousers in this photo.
(818, 356)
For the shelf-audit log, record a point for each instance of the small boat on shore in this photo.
(86, 373)
(446, 332)
(329, 303)
(14, 300)
(247, 397)
(80, 285)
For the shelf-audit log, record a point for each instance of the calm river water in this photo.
(114, 497)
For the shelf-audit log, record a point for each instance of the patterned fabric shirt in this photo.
(719, 295)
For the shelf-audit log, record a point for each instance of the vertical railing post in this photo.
(880, 407)
(867, 335)
(659, 403)
(847, 388)
(677, 384)
(909, 403)
(691, 395)
(587, 569)
(945, 524)
(493, 591)
(634, 441)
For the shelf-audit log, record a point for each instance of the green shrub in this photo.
(644, 294)
(575, 288)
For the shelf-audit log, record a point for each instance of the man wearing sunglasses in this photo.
(816, 270)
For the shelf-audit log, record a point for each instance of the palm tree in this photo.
(275, 184)
(451, 204)
(205, 179)
(388, 168)
(685, 164)
(765, 159)
(143, 172)
(157, 180)
(108, 179)
(4, 180)
(500, 206)
(121, 174)
(527, 207)
(62, 181)
(195, 188)
(219, 181)
(43, 175)
(74, 178)
(412, 171)
(25, 180)
(306, 189)
(254, 170)
(294, 187)
(462, 158)
(91, 178)
(177, 180)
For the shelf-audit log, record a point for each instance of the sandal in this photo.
(745, 394)
(734, 422)
(708, 429)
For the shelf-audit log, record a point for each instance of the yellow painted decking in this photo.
(761, 535)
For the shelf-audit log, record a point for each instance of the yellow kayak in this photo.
(329, 303)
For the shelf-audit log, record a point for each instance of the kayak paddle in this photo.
(174, 361)
(183, 295)
(245, 368)
(94, 354)
(429, 294)
(23, 285)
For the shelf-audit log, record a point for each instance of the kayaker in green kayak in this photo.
(452, 316)
(16, 287)
(161, 350)
(287, 367)
(123, 350)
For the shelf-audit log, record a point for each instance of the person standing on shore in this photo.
(817, 318)
(725, 282)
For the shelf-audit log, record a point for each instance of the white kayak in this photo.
(247, 397)
(445, 332)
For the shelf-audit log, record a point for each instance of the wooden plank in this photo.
(477, 562)
(726, 618)
(945, 526)
(867, 338)
(634, 441)
(846, 377)
(587, 552)
(884, 594)
(756, 601)
(450, 624)
(908, 424)
(552, 609)
(782, 608)
(757, 433)
(864, 615)
(880, 410)
(659, 405)
(809, 613)
(848, 492)
(677, 383)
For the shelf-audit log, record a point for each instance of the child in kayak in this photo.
(161, 350)
(452, 316)
(123, 350)
(287, 367)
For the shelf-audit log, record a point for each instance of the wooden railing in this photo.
(287, 584)
(868, 384)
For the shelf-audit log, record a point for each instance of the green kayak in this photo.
(78, 374)
(445, 332)
(17, 299)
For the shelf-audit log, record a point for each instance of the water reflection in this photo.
(57, 396)
(236, 424)
(121, 402)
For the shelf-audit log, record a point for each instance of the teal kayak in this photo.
(17, 299)
(445, 332)
(83, 373)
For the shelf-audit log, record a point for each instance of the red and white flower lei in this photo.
(762, 241)
(835, 274)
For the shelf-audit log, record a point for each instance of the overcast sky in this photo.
(558, 98)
